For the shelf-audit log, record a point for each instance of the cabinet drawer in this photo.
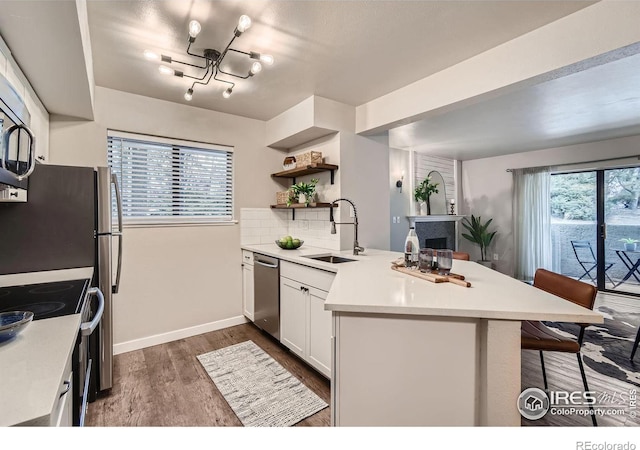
(320, 279)
(247, 257)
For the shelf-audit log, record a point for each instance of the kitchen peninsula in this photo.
(407, 352)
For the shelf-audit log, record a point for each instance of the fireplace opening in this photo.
(436, 243)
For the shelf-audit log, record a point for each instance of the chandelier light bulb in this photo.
(227, 93)
(194, 28)
(244, 23)
(267, 59)
(165, 70)
(256, 67)
(151, 56)
(188, 95)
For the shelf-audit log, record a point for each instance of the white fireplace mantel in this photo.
(434, 218)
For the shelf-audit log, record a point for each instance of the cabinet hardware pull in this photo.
(68, 385)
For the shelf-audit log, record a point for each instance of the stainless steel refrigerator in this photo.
(67, 223)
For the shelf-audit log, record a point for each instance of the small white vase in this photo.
(302, 198)
(423, 208)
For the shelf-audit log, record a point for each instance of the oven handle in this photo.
(86, 328)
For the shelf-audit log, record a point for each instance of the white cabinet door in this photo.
(319, 332)
(62, 413)
(293, 316)
(247, 291)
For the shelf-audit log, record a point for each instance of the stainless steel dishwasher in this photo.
(266, 278)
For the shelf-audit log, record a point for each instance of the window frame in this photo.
(174, 220)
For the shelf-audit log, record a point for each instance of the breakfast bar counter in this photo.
(409, 352)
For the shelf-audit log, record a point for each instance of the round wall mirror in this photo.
(438, 201)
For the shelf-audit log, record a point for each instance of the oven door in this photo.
(90, 319)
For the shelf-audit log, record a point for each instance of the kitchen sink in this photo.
(331, 259)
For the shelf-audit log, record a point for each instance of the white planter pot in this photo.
(486, 264)
(302, 198)
(630, 247)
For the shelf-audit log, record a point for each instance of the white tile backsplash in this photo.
(265, 225)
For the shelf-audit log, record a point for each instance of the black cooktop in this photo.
(45, 300)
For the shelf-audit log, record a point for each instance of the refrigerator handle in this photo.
(116, 287)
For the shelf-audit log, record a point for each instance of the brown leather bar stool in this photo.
(537, 336)
(461, 255)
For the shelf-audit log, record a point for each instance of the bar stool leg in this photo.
(635, 344)
(544, 373)
(586, 388)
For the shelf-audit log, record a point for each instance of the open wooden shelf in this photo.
(302, 205)
(295, 206)
(307, 170)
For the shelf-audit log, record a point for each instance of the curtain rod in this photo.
(581, 163)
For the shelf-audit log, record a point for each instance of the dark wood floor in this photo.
(165, 385)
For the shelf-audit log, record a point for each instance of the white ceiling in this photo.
(601, 102)
(348, 51)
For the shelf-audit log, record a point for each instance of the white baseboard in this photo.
(163, 338)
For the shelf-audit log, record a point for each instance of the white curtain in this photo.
(532, 221)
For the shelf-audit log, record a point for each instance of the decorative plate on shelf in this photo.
(13, 322)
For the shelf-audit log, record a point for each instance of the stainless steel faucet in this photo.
(356, 247)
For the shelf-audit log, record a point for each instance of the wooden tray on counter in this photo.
(451, 278)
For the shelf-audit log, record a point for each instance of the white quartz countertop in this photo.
(46, 276)
(368, 285)
(32, 367)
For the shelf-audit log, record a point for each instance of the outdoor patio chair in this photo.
(587, 260)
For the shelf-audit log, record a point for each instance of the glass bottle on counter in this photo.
(411, 249)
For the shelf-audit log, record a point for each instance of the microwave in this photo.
(17, 151)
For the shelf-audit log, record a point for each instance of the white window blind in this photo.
(165, 181)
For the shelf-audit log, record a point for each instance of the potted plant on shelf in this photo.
(629, 244)
(423, 192)
(303, 192)
(479, 234)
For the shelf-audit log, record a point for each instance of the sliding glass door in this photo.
(595, 223)
(621, 232)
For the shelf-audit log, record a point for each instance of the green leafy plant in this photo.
(629, 240)
(425, 189)
(307, 189)
(478, 233)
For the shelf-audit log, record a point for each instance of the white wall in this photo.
(487, 187)
(174, 277)
(364, 179)
(39, 115)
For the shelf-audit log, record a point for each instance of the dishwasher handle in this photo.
(262, 263)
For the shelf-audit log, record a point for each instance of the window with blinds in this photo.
(167, 181)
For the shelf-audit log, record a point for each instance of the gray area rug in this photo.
(258, 389)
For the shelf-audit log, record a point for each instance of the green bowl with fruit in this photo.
(289, 243)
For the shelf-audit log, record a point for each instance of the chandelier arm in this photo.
(193, 54)
(184, 75)
(240, 51)
(224, 81)
(234, 75)
(189, 64)
(203, 83)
